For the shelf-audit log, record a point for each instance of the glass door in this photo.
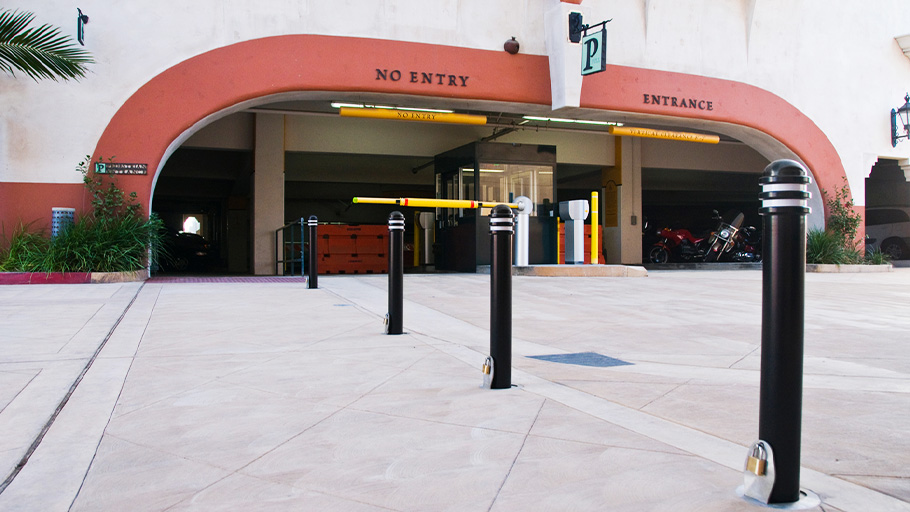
(505, 182)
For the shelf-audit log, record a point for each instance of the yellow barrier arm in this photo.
(432, 203)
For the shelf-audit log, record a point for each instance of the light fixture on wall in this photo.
(511, 46)
(902, 114)
(81, 21)
(562, 120)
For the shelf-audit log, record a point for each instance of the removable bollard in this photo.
(303, 229)
(312, 268)
(396, 274)
(784, 208)
(501, 296)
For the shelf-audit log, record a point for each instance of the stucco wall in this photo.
(836, 61)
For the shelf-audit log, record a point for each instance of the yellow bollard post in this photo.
(558, 243)
(416, 244)
(595, 224)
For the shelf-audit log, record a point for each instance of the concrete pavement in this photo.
(270, 396)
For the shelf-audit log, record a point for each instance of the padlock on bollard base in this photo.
(488, 373)
(757, 462)
(758, 473)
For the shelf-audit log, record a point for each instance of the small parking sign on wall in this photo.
(119, 168)
(594, 53)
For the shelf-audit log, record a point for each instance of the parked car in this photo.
(888, 230)
(184, 251)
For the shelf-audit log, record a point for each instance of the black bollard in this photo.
(501, 296)
(784, 209)
(396, 274)
(303, 231)
(312, 274)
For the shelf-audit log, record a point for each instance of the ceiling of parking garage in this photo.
(341, 166)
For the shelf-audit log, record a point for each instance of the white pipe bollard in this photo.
(522, 230)
(574, 213)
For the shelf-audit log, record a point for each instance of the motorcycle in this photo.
(723, 239)
(677, 245)
(748, 245)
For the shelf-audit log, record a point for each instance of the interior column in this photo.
(621, 192)
(267, 190)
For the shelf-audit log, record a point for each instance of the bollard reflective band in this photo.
(784, 192)
(776, 201)
(396, 221)
(501, 218)
(501, 224)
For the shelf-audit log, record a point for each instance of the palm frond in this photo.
(40, 52)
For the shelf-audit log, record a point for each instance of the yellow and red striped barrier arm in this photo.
(432, 203)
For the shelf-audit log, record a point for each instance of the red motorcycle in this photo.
(677, 245)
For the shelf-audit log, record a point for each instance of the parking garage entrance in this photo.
(303, 159)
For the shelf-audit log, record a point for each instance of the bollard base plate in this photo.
(807, 501)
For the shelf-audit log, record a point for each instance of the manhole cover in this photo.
(583, 359)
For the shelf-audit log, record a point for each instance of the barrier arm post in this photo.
(522, 230)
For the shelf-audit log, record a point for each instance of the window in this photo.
(505, 182)
(886, 216)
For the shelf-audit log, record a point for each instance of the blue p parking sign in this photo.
(594, 53)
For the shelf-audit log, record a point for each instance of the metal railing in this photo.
(290, 249)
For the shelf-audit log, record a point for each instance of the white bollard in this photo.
(522, 230)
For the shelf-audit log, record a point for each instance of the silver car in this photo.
(888, 230)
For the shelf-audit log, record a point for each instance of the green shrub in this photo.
(843, 221)
(877, 257)
(826, 247)
(838, 243)
(89, 245)
(22, 249)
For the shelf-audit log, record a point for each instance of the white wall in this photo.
(836, 61)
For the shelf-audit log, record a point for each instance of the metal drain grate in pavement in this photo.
(584, 359)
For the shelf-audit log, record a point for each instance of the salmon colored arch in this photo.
(171, 103)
